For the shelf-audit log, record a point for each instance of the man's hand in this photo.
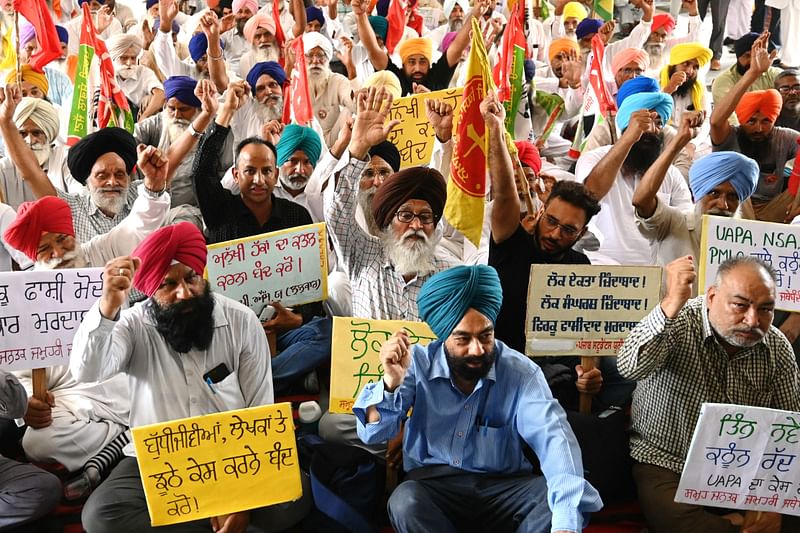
(210, 25)
(283, 321)
(228, 22)
(10, 97)
(607, 30)
(395, 357)
(677, 79)
(360, 7)
(492, 111)
(207, 94)
(478, 10)
(647, 9)
(685, 129)
(346, 55)
(571, 69)
(167, 11)
(760, 59)
(231, 523)
(590, 381)
(440, 115)
(104, 19)
(642, 121)
(39, 414)
(370, 127)
(343, 139)
(236, 95)
(691, 7)
(117, 282)
(766, 523)
(271, 131)
(154, 165)
(418, 88)
(147, 35)
(680, 277)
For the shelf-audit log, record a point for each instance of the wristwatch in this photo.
(193, 132)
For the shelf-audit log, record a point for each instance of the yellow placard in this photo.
(218, 464)
(355, 350)
(414, 136)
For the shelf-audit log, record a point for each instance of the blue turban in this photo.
(719, 167)
(530, 69)
(587, 27)
(382, 7)
(182, 88)
(270, 68)
(446, 297)
(81, 2)
(150, 3)
(659, 102)
(198, 46)
(315, 13)
(296, 137)
(380, 26)
(63, 34)
(640, 84)
(175, 26)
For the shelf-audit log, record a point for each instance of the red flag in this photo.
(280, 37)
(512, 36)
(596, 77)
(38, 14)
(415, 21)
(794, 178)
(397, 23)
(301, 99)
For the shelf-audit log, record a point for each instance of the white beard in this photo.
(318, 80)
(655, 51)
(42, 152)
(412, 257)
(124, 72)
(364, 199)
(267, 53)
(293, 182)
(73, 259)
(175, 127)
(112, 204)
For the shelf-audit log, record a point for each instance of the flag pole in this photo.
(16, 36)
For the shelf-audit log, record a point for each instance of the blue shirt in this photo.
(483, 432)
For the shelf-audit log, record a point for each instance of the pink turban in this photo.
(239, 4)
(529, 155)
(50, 214)
(260, 20)
(630, 55)
(663, 20)
(180, 242)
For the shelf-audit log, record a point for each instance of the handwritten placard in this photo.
(777, 244)
(355, 350)
(743, 458)
(218, 464)
(288, 266)
(586, 310)
(414, 136)
(39, 313)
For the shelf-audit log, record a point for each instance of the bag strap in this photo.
(336, 508)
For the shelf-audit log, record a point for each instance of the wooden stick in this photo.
(585, 399)
(16, 37)
(39, 377)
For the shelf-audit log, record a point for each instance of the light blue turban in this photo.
(719, 167)
(446, 297)
(296, 137)
(639, 84)
(659, 102)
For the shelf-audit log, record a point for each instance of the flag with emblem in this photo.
(97, 101)
(604, 9)
(466, 188)
(48, 46)
(298, 94)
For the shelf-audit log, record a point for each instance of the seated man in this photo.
(718, 347)
(139, 83)
(462, 450)
(788, 84)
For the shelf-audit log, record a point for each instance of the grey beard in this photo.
(364, 199)
(112, 205)
(415, 258)
(272, 109)
(456, 24)
(269, 53)
(318, 81)
(73, 259)
(175, 127)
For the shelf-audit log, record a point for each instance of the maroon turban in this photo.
(415, 183)
(181, 242)
(50, 214)
(529, 155)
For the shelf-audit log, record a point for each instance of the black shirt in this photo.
(513, 259)
(437, 78)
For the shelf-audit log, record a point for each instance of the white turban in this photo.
(41, 112)
(315, 39)
(450, 4)
(119, 44)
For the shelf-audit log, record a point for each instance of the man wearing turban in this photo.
(298, 152)
(757, 136)
(660, 42)
(682, 79)
(59, 84)
(571, 14)
(191, 351)
(446, 453)
(723, 84)
(139, 83)
(34, 84)
(260, 33)
(611, 174)
(74, 25)
(266, 81)
(455, 12)
(234, 42)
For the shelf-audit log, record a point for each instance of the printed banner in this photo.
(39, 313)
(288, 266)
(414, 136)
(743, 458)
(355, 350)
(218, 464)
(777, 244)
(586, 310)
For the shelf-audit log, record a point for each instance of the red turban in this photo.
(50, 214)
(769, 102)
(529, 155)
(180, 242)
(663, 20)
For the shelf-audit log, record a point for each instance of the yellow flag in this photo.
(8, 50)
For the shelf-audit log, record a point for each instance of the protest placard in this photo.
(414, 136)
(586, 310)
(777, 244)
(39, 313)
(355, 350)
(288, 266)
(743, 458)
(217, 464)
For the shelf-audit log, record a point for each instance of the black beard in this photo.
(186, 324)
(458, 365)
(740, 69)
(755, 149)
(550, 256)
(685, 88)
(643, 153)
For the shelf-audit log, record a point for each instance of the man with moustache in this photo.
(611, 174)
(566, 17)
(723, 84)
(788, 84)
(165, 346)
(454, 11)
(260, 33)
(266, 81)
(139, 83)
(717, 348)
(756, 136)
(234, 40)
(660, 42)
(476, 404)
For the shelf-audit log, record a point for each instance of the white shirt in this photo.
(234, 47)
(73, 28)
(7, 253)
(140, 84)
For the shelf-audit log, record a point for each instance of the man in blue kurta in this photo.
(476, 404)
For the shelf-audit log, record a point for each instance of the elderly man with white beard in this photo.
(298, 152)
(266, 80)
(139, 83)
(260, 33)
(455, 11)
(660, 41)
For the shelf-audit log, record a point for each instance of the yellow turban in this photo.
(386, 79)
(31, 76)
(418, 46)
(684, 52)
(575, 10)
(562, 45)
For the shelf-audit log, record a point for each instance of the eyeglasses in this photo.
(553, 222)
(316, 58)
(426, 218)
(632, 71)
(786, 89)
(371, 174)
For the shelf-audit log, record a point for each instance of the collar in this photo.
(220, 320)
(440, 370)
(708, 332)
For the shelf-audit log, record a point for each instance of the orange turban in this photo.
(562, 45)
(769, 102)
(50, 214)
(630, 55)
(416, 46)
(180, 242)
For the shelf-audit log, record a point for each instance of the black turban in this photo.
(82, 157)
(388, 152)
(415, 183)
(745, 43)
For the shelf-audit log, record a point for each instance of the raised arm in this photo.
(162, 47)
(461, 40)
(506, 208)
(178, 150)
(298, 9)
(216, 65)
(378, 57)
